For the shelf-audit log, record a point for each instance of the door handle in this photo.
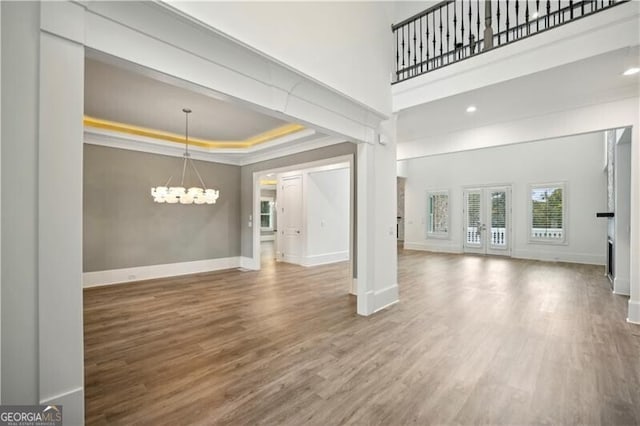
(297, 231)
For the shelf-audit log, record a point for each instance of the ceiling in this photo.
(134, 100)
(594, 80)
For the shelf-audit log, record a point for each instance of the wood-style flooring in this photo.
(474, 340)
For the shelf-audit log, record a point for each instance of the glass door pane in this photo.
(473, 228)
(498, 235)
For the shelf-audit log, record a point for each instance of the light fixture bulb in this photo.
(471, 108)
(631, 71)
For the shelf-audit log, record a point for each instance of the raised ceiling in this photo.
(122, 100)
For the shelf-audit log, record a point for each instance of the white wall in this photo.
(345, 45)
(575, 160)
(327, 216)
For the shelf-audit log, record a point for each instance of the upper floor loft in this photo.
(459, 45)
(455, 30)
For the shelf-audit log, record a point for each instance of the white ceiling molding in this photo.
(155, 146)
(291, 149)
(200, 55)
(290, 144)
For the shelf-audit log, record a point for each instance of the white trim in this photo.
(271, 201)
(633, 316)
(138, 273)
(297, 260)
(296, 168)
(568, 257)
(584, 258)
(50, 400)
(73, 405)
(433, 246)
(565, 207)
(354, 287)
(250, 263)
(620, 294)
(152, 146)
(304, 140)
(384, 298)
(326, 258)
(621, 286)
(437, 235)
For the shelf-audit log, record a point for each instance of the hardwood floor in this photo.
(473, 340)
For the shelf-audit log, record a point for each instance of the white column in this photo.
(633, 315)
(0, 207)
(61, 100)
(365, 228)
(20, 29)
(377, 249)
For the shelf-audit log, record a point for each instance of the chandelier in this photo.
(179, 194)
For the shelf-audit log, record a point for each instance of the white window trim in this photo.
(565, 222)
(437, 235)
(271, 201)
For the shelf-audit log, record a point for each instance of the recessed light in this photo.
(631, 71)
(471, 108)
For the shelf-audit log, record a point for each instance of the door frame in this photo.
(486, 249)
(254, 261)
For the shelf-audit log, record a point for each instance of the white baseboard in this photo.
(271, 237)
(385, 297)
(437, 248)
(124, 275)
(622, 286)
(291, 259)
(249, 263)
(569, 257)
(584, 258)
(72, 405)
(354, 287)
(634, 312)
(325, 259)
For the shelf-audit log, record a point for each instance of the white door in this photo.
(290, 217)
(487, 221)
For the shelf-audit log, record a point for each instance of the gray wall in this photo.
(345, 148)
(123, 227)
(20, 79)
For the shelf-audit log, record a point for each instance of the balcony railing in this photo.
(499, 236)
(455, 30)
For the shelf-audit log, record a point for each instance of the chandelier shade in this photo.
(178, 194)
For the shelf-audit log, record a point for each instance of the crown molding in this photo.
(286, 145)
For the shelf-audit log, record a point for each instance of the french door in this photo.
(487, 223)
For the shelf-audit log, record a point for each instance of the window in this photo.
(547, 213)
(438, 214)
(266, 214)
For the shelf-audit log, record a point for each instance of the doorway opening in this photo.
(313, 215)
